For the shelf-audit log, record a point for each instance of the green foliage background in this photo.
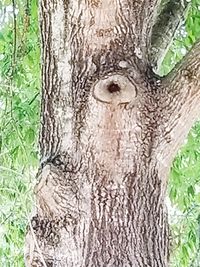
(19, 120)
(19, 123)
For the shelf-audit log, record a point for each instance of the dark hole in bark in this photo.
(113, 88)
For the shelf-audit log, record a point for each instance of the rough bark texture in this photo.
(170, 17)
(110, 129)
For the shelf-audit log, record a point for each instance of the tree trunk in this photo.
(110, 129)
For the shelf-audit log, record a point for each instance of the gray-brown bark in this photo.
(110, 129)
(169, 20)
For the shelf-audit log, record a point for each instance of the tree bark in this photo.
(109, 131)
(170, 18)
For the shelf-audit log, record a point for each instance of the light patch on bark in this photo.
(110, 138)
(99, 24)
(65, 116)
(124, 64)
(138, 52)
(98, 21)
(63, 112)
(58, 28)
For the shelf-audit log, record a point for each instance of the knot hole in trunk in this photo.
(116, 89)
(113, 88)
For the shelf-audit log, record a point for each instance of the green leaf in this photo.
(185, 251)
(191, 191)
(30, 135)
(2, 37)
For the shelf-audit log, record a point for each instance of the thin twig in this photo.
(14, 53)
(14, 37)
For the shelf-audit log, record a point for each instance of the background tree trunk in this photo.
(110, 129)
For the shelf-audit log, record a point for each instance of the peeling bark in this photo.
(109, 131)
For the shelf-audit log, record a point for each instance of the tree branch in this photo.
(171, 15)
(182, 86)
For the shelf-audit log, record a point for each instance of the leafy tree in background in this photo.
(20, 83)
(19, 117)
